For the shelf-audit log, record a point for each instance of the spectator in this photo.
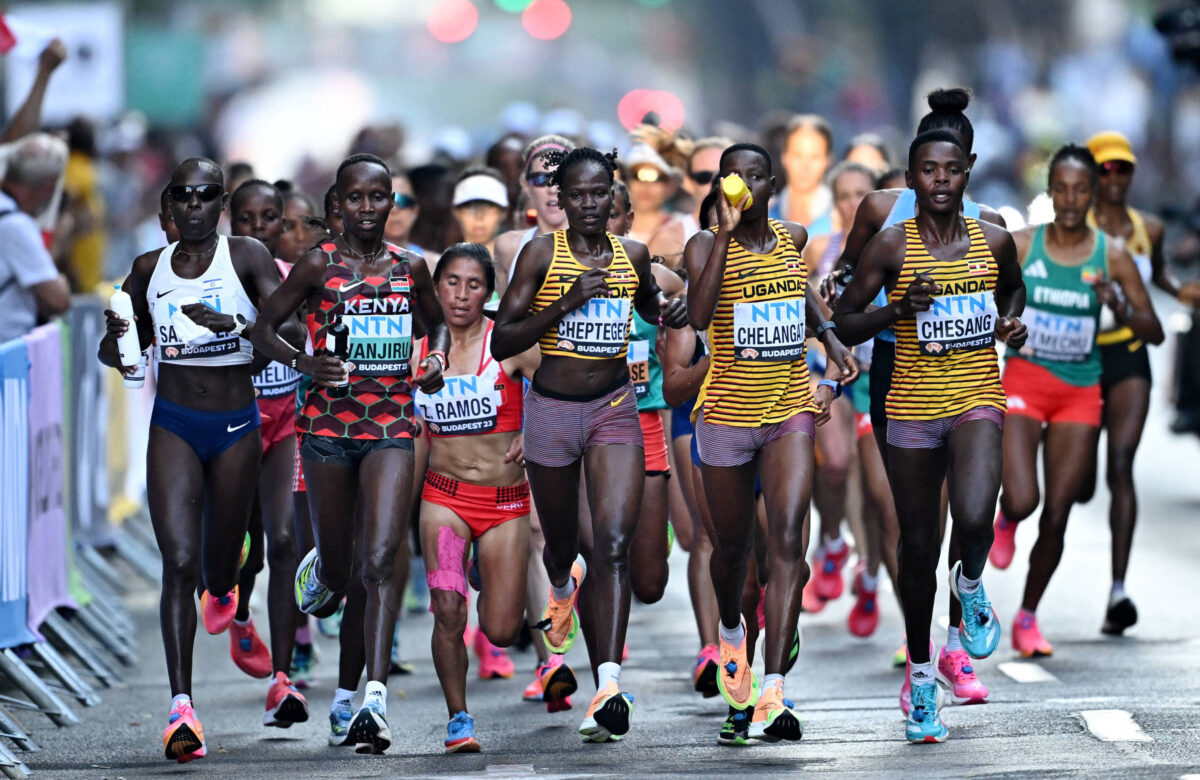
(28, 117)
(30, 285)
(86, 206)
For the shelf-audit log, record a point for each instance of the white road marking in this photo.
(1114, 726)
(1025, 672)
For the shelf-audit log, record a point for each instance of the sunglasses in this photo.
(1121, 167)
(648, 174)
(538, 179)
(403, 201)
(702, 177)
(206, 193)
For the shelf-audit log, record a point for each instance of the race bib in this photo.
(1060, 338)
(638, 359)
(957, 323)
(380, 344)
(465, 404)
(276, 381)
(771, 331)
(599, 328)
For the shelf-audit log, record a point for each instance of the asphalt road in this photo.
(1100, 706)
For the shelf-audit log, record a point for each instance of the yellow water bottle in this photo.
(735, 189)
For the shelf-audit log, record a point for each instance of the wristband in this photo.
(296, 360)
(825, 326)
(441, 356)
(837, 388)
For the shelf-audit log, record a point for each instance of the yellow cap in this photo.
(1110, 145)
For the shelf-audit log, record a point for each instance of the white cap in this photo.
(643, 154)
(481, 187)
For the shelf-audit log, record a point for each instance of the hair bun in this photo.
(949, 101)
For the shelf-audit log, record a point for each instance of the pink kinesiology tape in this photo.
(449, 573)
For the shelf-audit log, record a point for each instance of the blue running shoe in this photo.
(980, 628)
(924, 723)
(460, 734)
(369, 732)
(311, 596)
(339, 723)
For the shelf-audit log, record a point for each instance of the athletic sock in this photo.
(304, 634)
(565, 591)
(834, 546)
(966, 585)
(952, 641)
(773, 679)
(182, 698)
(342, 697)
(869, 582)
(608, 672)
(377, 695)
(921, 674)
(1117, 593)
(732, 636)
(243, 623)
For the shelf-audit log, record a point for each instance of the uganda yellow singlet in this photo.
(757, 375)
(1139, 247)
(946, 357)
(599, 329)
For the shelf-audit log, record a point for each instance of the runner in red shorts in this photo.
(475, 488)
(1071, 272)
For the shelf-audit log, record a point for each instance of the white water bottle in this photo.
(128, 345)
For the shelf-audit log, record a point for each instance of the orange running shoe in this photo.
(285, 704)
(774, 719)
(560, 622)
(249, 652)
(557, 681)
(736, 680)
(218, 612)
(608, 716)
(183, 738)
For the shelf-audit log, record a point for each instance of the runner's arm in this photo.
(134, 284)
(704, 257)
(875, 266)
(1138, 313)
(438, 335)
(1010, 284)
(681, 378)
(306, 276)
(516, 329)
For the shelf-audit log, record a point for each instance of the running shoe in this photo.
(332, 626)
(218, 611)
(245, 551)
(1119, 617)
(793, 651)
(340, 716)
(557, 681)
(285, 704)
(810, 601)
(924, 721)
(369, 731)
(560, 622)
(1004, 545)
(303, 661)
(827, 573)
(311, 596)
(735, 730)
(460, 734)
(670, 538)
(608, 716)
(736, 681)
(494, 663)
(954, 670)
(248, 650)
(533, 691)
(864, 615)
(906, 688)
(183, 738)
(980, 627)
(559, 705)
(774, 718)
(900, 657)
(704, 675)
(1027, 638)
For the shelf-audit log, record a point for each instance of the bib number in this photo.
(769, 331)
(638, 359)
(597, 329)
(1058, 338)
(380, 344)
(466, 404)
(957, 323)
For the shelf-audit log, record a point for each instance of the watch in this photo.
(239, 324)
(825, 326)
(296, 360)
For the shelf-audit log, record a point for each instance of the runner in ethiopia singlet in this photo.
(377, 312)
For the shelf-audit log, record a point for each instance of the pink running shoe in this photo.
(218, 611)
(1027, 639)
(954, 670)
(557, 681)
(864, 616)
(285, 704)
(248, 651)
(827, 574)
(1004, 545)
(810, 601)
(183, 738)
(494, 662)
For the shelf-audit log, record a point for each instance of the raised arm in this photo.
(28, 118)
(1136, 311)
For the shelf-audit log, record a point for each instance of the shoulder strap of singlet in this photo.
(1037, 245)
(970, 208)
(904, 208)
(1140, 236)
(485, 357)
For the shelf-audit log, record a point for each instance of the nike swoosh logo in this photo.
(350, 286)
(619, 400)
(161, 294)
(748, 272)
(232, 428)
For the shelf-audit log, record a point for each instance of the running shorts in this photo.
(732, 445)
(347, 453)
(655, 439)
(207, 433)
(1121, 361)
(932, 434)
(559, 429)
(1034, 391)
(481, 507)
(278, 420)
(681, 419)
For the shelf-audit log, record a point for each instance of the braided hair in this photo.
(562, 162)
